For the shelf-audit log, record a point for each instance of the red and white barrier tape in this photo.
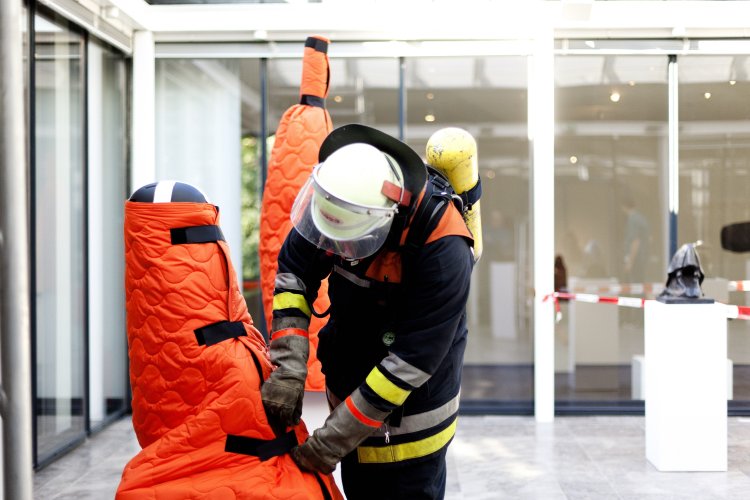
(648, 288)
(636, 288)
(733, 312)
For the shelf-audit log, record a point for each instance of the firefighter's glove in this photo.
(307, 458)
(340, 435)
(284, 389)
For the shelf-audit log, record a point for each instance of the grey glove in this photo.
(341, 434)
(284, 389)
(307, 458)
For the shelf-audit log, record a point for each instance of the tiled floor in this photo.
(490, 458)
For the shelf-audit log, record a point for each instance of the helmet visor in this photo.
(339, 226)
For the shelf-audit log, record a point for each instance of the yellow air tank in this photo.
(453, 151)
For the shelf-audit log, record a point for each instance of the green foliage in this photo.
(251, 199)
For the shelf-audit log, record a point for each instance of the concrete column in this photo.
(15, 343)
(143, 133)
(542, 135)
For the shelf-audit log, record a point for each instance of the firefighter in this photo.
(398, 255)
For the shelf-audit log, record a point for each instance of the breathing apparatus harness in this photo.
(438, 194)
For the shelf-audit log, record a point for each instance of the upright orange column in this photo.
(295, 152)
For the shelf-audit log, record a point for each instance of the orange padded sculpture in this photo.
(196, 367)
(295, 152)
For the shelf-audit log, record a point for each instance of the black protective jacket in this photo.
(397, 332)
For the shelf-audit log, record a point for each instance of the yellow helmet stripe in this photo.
(385, 388)
(289, 300)
(406, 451)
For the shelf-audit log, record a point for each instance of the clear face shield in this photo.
(332, 223)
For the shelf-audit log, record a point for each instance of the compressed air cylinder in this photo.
(453, 152)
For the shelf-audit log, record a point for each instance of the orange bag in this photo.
(295, 152)
(196, 367)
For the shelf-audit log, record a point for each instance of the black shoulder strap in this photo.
(438, 194)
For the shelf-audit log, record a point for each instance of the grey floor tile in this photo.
(575, 458)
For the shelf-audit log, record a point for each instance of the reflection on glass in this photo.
(107, 172)
(715, 183)
(207, 126)
(251, 188)
(361, 91)
(199, 133)
(59, 195)
(488, 97)
(610, 197)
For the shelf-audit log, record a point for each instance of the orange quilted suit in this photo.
(295, 152)
(196, 367)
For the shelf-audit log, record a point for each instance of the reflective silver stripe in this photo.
(421, 421)
(289, 281)
(289, 322)
(351, 277)
(366, 408)
(409, 423)
(404, 371)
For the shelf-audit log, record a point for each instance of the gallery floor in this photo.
(492, 457)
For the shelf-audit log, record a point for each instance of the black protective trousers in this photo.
(417, 479)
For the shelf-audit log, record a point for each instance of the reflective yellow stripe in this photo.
(405, 451)
(385, 388)
(289, 300)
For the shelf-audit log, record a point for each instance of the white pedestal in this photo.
(638, 383)
(685, 383)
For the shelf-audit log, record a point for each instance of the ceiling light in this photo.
(707, 95)
(614, 96)
(490, 174)
(573, 160)
(631, 83)
(260, 34)
(732, 82)
(430, 96)
(429, 118)
(338, 98)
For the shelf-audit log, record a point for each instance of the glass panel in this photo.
(361, 91)
(488, 97)
(207, 125)
(107, 192)
(610, 222)
(199, 133)
(251, 186)
(365, 91)
(715, 184)
(59, 234)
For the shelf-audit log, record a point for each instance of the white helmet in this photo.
(342, 207)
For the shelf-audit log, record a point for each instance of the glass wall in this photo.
(714, 167)
(252, 174)
(610, 216)
(488, 97)
(361, 91)
(611, 177)
(59, 235)
(107, 190)
(207, 124)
